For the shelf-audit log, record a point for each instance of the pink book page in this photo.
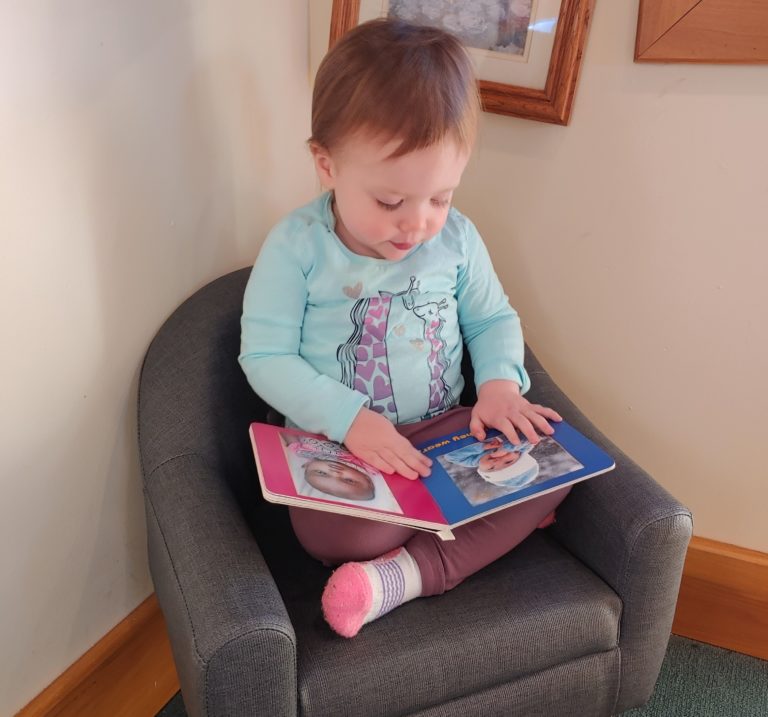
(269, 451)
(414, 500)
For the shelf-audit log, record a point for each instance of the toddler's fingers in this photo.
(541, 424)
(508, 429)
(423, 465)
(412, 456)
(549, 413)
(527, 429)
(400, 466)
(380, 464)
(418, 461)
(477, 428)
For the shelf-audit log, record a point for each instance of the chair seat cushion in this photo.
(485, 632)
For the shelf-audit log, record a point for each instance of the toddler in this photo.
(360, 305)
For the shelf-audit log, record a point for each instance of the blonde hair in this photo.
(389, 79)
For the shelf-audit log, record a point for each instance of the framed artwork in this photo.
(527, 52)
(718, 31)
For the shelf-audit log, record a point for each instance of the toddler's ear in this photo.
(324, 165)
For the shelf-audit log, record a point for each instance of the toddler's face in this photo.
(497, 460)
(339, 479)
(384, 207)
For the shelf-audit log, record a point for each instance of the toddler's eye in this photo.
(441, 203)
(389, 207)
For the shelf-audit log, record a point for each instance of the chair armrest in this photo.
(632, 533)
(232, 640)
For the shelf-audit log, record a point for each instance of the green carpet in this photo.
(696, 680)
(699, 680)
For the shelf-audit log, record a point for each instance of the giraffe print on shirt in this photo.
(440, 394)
(364, 359)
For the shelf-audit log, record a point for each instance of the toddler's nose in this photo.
(414, 223)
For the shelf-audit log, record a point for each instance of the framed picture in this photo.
(718, 31)
(527, 52)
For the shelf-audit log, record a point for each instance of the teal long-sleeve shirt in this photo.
(326, 331)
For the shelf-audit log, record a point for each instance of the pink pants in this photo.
(335, 539)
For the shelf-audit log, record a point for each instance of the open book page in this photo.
(473, 478)
(469, 478)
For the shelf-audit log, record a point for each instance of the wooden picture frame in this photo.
(551, 104)
(715, 31)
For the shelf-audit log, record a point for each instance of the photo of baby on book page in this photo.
(486, 470)
(324, 469)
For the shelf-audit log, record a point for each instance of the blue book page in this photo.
(470, 478)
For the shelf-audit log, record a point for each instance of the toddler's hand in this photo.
(500, 405)
(375, 440)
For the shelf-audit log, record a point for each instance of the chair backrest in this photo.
(193, 396)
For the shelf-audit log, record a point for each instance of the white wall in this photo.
(145, 148)
(634, 243)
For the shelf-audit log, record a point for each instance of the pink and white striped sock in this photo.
(358, 593)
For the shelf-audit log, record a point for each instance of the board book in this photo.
(470, 479)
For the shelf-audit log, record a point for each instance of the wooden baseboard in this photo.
(724, 597)
(128, 673)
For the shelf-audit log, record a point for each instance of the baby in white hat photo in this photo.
(499, 462)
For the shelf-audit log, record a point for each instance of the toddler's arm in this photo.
(489, 326)
(273, 314)
(491, 330)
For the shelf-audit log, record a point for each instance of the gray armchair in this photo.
(575, 621)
